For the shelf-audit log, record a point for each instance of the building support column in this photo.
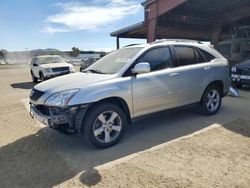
(117, 42)
(151, 26)
(216, 34)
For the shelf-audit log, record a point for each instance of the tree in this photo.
(3, 53)
(75, 52)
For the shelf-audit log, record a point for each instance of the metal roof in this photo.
(125, 30)
(193, 19)
(145, 3)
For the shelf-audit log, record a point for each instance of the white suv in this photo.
(49, 66)
(130, 83)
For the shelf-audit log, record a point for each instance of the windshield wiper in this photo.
(93, 71)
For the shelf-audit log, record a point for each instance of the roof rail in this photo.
(130, 45)
(176, 40)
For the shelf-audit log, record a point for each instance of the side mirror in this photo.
(141, 68)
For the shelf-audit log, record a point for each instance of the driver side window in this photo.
(158, 58)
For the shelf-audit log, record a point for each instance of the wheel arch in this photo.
(217, 83)
(118, 101)
(40, 72)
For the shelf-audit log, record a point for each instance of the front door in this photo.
(156, 90)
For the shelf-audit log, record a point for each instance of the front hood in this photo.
(244, 65)
(55, 65)
(71, 81)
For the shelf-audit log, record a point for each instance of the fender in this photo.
(98, 92)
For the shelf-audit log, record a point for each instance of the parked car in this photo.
(130, 83)
(240, 74)
(2, 62)
(49, 66)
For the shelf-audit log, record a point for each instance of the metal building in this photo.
(205, 20)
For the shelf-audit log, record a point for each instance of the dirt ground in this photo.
(177, 148)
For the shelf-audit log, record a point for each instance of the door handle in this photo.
(174, 74)
(207, 68)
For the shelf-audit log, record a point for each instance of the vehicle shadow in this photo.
(32, 162)
(239, 126)
(245, 88)
(23, 85)
(48, 158)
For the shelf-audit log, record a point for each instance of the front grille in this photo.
(243, 71)
(35, 94)
(59, 69)
(43, 109)
(48, 111)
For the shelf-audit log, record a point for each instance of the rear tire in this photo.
(34, 79)
(211, 100)
(104, 125)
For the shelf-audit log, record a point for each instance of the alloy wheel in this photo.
(107, 127)
(213, 100)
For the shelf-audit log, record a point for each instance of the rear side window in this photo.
(185, 55)
(208, 56)
(199, 57)
(158, 58)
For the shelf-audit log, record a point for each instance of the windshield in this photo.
(113, 62)
(48, 60)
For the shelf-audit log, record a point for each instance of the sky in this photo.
(61, 24)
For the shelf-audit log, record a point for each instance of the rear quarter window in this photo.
(207, 55)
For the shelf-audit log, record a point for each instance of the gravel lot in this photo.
(159, 151)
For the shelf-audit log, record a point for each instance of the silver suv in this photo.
(132, 82)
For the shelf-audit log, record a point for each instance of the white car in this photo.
(49, 66)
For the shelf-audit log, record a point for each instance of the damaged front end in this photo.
(65, 119)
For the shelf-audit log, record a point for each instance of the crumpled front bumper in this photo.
(67, 119)
(51, 120)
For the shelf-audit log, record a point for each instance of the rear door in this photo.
(193, 72)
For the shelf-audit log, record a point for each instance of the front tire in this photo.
(211, 100)
(104, 125)
(42, 78)
(34, 79)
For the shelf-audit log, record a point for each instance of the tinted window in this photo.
(185, 55)
(158, 58)
(199, 57)
(208, 56)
